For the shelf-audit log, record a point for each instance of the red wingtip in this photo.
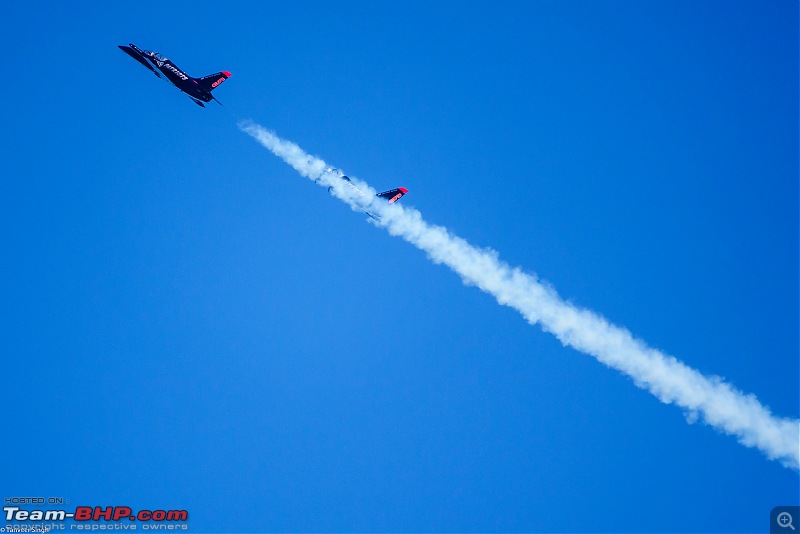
(403, 189)
(226, 73)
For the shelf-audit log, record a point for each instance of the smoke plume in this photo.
(718, 403)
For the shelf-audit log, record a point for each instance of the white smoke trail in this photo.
(720, 404)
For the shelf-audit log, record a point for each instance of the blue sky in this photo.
(190, 324)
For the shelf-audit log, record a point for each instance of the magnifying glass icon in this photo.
(784, 520)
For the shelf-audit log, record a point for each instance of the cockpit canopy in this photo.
(157, 56)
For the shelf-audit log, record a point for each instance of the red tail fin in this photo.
(393, 195)
(210, 82)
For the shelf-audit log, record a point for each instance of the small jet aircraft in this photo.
(198, 89)
(392, 195)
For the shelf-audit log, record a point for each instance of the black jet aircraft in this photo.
(198, 89)
(392, 195)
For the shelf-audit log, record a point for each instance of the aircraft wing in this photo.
(137, 56)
